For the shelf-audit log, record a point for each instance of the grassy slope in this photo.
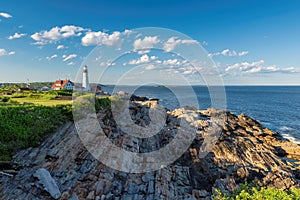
(43, 102)
(24, 126)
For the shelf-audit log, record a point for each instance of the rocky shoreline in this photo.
(245, 151)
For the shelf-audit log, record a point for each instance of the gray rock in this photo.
(244, 151)
(151, 187)
(147, 177)
(48, 182)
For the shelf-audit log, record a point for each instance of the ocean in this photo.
(276, 107)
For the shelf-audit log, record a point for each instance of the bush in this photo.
(88, 103)
(101, 103)
(251, 191)
(4, 99)
(25, 126)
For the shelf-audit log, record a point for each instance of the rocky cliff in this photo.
(244, 151)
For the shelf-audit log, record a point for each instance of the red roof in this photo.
(59, 84)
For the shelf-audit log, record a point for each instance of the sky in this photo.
(250, 42)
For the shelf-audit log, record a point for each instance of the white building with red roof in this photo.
(63, 84)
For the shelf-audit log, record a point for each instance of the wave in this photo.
(285, 128)
(269, 126)
(283, 131)
(290, 138)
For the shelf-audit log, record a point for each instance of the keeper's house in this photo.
(63, 84)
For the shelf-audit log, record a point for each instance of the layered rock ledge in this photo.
(244, 151)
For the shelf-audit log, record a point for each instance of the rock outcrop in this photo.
(244, 151)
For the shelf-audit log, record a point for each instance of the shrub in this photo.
(25, 126)
(88, 103)
(5, 99)
(251, 191)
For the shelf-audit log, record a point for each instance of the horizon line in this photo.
(202, 85)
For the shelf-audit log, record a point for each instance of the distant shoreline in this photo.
(129, 85)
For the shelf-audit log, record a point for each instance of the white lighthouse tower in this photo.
(85, 79)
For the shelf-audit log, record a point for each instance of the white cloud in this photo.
(107, 63)
(172, 66)
(243, 53)
(259, 67)
(3, 52)
(188, 72)
(51, 57)
(150, 67)
(245, 66)
(68, 57)
(71, 63)
(146, 43)
(228, 52)
(102, 38)
(172, 62)
(57, 33)
(204, 43)
(60, 47)
(127, 32)
(16, 35)
(172, 42)
(189, 42)
(143, 59)
(5, 15)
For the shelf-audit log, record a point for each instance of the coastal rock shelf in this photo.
(245, 151)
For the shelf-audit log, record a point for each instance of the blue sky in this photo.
(251, 42)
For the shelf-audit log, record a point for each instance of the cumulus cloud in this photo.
(146, 43)
(173, 66)
(5, 15)
(163, 63)
(3, 52)
(150, 67)
(172, 42)
(101, 38)
(173, 62)
(60, 47)
(127, 32)
(228, 52)
(143, 59)
(259, 67)
(92, 38)
(245, 66)
(68, 57)
(16, 36)
(51, 57)
(57, 33)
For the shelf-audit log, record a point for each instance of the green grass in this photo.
(25, 126)
(43, 102)
(251, 191)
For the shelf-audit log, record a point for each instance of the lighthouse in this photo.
(85, 79)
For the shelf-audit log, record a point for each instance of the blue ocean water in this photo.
(276, 107)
